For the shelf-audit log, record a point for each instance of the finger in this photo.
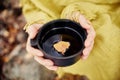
(88, 41)
(45, 62)
(84, 23)
(87, 50)
(52, 67)
(90, 37)
(33, 30)
(84, 57)
(32, 50)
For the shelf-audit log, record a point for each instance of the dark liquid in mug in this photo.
(54, 36)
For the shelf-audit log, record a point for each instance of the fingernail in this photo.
(85, 53)
(88, 41)
(53, 68)
(84, 57)
(87, 44)
(39, 53)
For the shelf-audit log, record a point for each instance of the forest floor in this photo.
(15, 63)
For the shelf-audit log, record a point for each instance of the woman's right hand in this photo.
(38, 55)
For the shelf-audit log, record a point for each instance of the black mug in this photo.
(60, 30)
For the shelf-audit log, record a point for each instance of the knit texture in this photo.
(103, 62)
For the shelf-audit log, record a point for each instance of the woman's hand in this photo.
(38, 55)
(89, 42)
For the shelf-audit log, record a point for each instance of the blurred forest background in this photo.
(15, 63)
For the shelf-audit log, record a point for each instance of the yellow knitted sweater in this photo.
(103, 62)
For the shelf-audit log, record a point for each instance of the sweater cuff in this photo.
(33, 22)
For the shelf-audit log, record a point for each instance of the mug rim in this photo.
(56, 57)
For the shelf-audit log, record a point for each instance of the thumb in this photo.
(33, 30)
